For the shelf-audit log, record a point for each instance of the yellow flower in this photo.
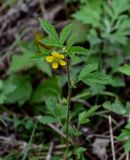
(56, 59)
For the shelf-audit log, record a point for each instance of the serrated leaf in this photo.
(96, 78)
(125, 69)
(49, 29)
(87, 69)
(70, 41)
(65, 33)
(90, 13)
(47, 119)
(120, 6)
(50, 42)
(44, 50)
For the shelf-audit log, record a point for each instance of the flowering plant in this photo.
(61, 50)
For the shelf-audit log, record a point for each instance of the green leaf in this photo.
(65, 33)
(70, 41)
(125, 69)
(90, 13)
(51, 103)
(39, 56)
(50, 42)
(79, 152)
(44, 51)
(127, 145)
(46, 89)
(125, 136)
(1, 84)
(20, 91)
(77, 49)
(122, 6)
(49, 29)
(84, 116)
(25, 61)
(2, 98)
(21, 62)
(57, 110)
(87, 69)
(42, 65)
(96, 78)
(116, 106)
(47, 119)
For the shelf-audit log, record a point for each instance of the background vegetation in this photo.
(33, 96)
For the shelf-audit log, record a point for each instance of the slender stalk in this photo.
(69, 105)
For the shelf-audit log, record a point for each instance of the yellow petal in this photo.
(61, 56)
(55, 54)
(55, 65)
(62, 63)
(49, 58)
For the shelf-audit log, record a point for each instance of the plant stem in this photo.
(69, 105)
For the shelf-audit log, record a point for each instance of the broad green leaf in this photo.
(50, 42)
(21, 62)
(22, 91)
(57, 110)
(65, 33)
(116, 106)
(25, 61)
(51, 103)
(47, 119)
(87, 69)
(49, 29)
(46, 89)
(96, 78)
(125, 69)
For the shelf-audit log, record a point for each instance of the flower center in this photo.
(56, 59)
